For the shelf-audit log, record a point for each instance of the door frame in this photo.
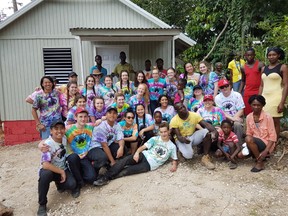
(126, 47)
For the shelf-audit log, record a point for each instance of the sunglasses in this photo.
(226, 86)
(130, 117)
(97, 75)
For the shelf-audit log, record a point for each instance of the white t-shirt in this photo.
(159, 152)
(231, 104)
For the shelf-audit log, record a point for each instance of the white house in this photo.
(55, 37)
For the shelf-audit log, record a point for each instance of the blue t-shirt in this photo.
(103, 71)
(156, 88)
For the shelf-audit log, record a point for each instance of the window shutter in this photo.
(58, 63)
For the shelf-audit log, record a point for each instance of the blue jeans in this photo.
(236, 85)
(45, 134)
(82, 169)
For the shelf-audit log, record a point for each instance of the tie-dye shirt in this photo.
(167, 114)
(148, 121)
(79, 139)
(129, 131)
(192, 80)
(107, 94)
(215, 116)
(121, 111)
(89, 94)
(104, 133)
(63, 103)
(56, 154)
(98, 115)
(208, 85)
(49, 107)
(134, 101)
(127, 92)
(194, 104)
(156, 88)
(171, 88)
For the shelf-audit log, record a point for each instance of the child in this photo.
(53, 166)
(97, 111)
(158, 120)
(228, 144)
(179, 96)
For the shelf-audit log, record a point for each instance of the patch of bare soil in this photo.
(191, 190)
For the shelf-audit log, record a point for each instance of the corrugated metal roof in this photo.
(93, 28)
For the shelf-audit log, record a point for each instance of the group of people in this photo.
(136, 126)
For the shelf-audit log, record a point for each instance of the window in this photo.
(58, 63)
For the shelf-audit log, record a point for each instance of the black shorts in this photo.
(260, 144)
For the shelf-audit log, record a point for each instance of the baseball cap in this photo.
(197, 87)
(80, 110)
(56, 123)
(72, 74)
(208, 97)
(223, 82)
(111, 108)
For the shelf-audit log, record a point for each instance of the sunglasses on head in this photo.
(226, 86)
(130, 117)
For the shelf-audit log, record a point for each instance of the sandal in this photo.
(232, 165)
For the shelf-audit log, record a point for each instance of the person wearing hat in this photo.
(72, 77)
(107, 142)
(98, 75)
(231, 102)
(211, 114)
(79, 138)
(197, 100)
(53, 166)
(98, 66)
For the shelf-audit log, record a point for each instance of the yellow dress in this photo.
(272, 90)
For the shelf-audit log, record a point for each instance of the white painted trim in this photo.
(81, 58)
(144, 13)
(173, 52)
(129, 39)
(186, 39)
(19, 13)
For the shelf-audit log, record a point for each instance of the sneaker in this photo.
(101, 181)
(42, 210)
(76, 192)
(232, 165)
(206, 161)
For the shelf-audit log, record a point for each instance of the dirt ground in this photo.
(191, 190)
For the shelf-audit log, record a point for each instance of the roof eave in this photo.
(19, 13)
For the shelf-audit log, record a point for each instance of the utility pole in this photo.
(15, 6)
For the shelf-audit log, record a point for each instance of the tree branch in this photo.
(218, 37)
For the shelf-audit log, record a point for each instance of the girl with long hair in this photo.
(142, 97)
(124, 86)
(108, 91)
(97, 111)
(67, 99)
(80, 101)
(120, 105)
(208, 80)
(139, 79)
(89, 91)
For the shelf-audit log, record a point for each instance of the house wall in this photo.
(47, 26)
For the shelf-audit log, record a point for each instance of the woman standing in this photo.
(167, 111)
(89, 91)
(142, 97)
(260, 134)
(274, 85)
(47, 102)
(192, 80)
(171, 83)
(107, 92)
(208, 80)
(124, 86)
(139, 79)
(67, 99)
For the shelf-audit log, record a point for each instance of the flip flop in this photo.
(232, 165)
(254, 169)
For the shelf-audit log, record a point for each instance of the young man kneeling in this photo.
(154, 153)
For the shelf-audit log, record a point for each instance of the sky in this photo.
(5, 4)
